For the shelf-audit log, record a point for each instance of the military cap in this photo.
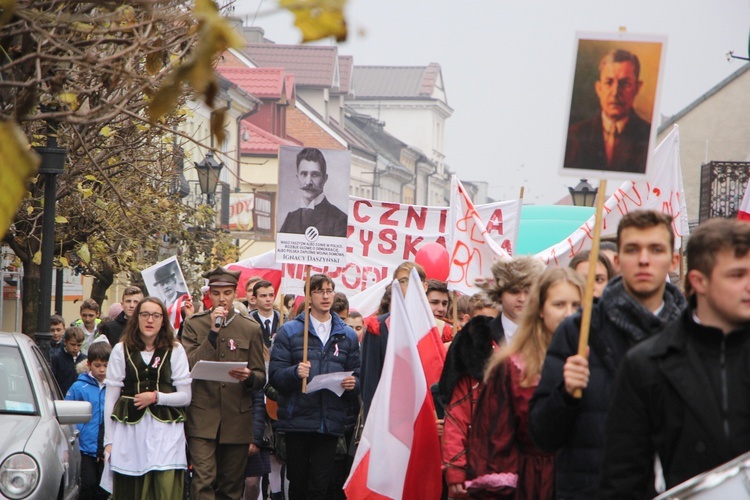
(222, 277)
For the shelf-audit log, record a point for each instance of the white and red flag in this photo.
(263, 265)
(399, 453)
(175, 312)
(744, 212)
(471, 247)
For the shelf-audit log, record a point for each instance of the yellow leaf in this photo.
(164, 101)
(106, 131)
(29, 210)
(7, 9)
(69, 98)
(154, 62)
(217, 125)
(64, 262)
(318, 19)
(141, 128)
(84, 254)
(59, 219)
(86, 192)
(37, 258)
(83, 27)
(14, 150)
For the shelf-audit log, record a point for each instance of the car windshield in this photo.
(15, 390)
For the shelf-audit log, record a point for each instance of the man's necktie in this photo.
(611, 143)
(268, 328)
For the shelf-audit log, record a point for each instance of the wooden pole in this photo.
(588, 296)
(307, 323)
(520, 195)
(455, 313)
(682, 263)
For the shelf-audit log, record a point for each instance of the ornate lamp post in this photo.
(584, 194)
(208, 176)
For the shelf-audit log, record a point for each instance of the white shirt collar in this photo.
(509, 328)
(608, 123)
(264, 318)
(322, 329)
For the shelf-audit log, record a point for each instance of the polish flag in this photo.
(175, 312)
(399, 453)
(263, 265)
(744, 213)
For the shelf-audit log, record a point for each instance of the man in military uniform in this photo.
(219, 420)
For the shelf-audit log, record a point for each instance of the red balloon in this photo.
(434, 258)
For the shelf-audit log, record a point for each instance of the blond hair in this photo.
(531, 340)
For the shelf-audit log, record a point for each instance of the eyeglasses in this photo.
(322, 292)
(146, 315)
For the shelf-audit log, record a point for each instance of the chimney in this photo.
(253, 34)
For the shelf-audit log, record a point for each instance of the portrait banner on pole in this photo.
(312, 212)
(614, 105)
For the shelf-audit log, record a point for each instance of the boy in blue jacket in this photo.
(90, 387)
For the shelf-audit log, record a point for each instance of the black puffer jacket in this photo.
(576, 427)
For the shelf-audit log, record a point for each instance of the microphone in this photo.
(217, 323)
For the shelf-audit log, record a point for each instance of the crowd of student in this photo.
(521, 414)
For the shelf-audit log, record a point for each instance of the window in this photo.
(16, 395)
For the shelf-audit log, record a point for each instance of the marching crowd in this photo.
(656, 399)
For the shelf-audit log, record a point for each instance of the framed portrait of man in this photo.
(165, 280)
(614, 105)
(313, 205)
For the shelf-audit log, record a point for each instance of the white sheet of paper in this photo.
(215, 370)
(330, 381)
(107, 481)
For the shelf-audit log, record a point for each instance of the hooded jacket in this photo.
(87, 388)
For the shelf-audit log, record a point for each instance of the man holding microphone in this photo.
(218, 423)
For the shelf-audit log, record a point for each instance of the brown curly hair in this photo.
(518, 273)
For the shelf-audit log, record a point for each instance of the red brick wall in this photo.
(302, 128)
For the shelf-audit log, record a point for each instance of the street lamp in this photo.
(53, 164)
(584, 194)
(208, 176)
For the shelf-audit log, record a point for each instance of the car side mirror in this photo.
(72, 412)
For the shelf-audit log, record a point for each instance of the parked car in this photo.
(39, 454)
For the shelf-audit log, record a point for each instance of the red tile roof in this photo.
(261, 142)
(263, 83)
(312, 65)
(395, 81)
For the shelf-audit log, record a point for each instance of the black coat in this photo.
(113, 329)
(684, 395)
(575, 427)
(585, 146)
(325, 217)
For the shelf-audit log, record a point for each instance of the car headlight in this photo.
(19, 476)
